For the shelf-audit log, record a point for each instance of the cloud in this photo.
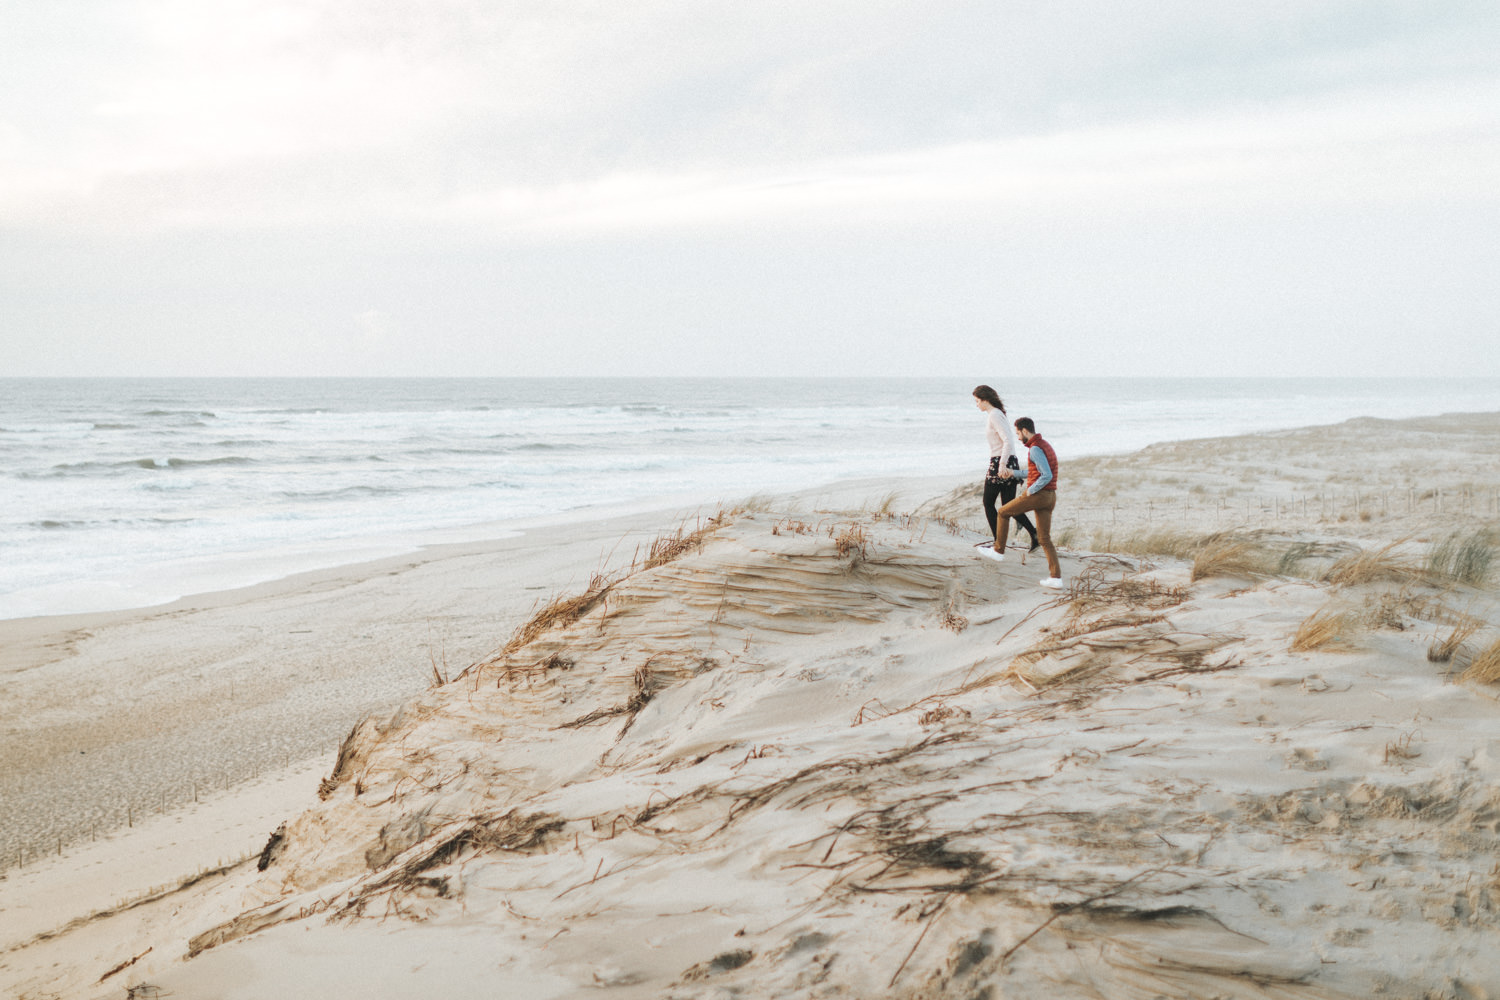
(549, 185)
(314, 112)
(1441, 144)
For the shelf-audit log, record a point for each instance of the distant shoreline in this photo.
(388, 548)
(138, 492)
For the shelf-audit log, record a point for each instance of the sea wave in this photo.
(361, 490)
(53, 524)
(152, 464)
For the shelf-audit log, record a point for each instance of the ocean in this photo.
(120, 493)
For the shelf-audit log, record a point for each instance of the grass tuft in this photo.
(757, 503)
(1485, 667)
(1292, 559)
(558, 613)
(852, 541)
(1375, 566)
(1226, 555)
(1465, 558)
(1327, 628)
(672, 544)
(1335, 626)
(1177, 544)
(1254, 554)
(1442, 650)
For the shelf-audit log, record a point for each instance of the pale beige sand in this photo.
(118, 715)
(115, 718)
(779, 765)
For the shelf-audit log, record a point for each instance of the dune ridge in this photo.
(804, 753)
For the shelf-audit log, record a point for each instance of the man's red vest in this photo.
(1032, 474)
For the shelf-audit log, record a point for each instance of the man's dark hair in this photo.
(1025, 424)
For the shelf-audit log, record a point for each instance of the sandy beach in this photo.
(803, 746)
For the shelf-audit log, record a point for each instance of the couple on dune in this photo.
(1039, 495)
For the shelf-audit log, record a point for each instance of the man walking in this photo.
(1040, 494)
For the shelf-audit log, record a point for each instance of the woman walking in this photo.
(1002, 477)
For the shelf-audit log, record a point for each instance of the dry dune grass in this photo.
(1132, 651)
(672, 544)
(1292, 559)
(1463, 557)
(562, 610)
(1329, 627)
(756, 503)
(1164, 542)
(1114, 623)
(1251, 555)
(851, 540)
(1485, 667)
(1093, 590)
(1256, 554)
(559, 612)
(1374, 566)
(1230, 555)
(1442, 650)
(1337, 625)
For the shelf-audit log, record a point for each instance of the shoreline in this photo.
(404, 544)
(485, 534)
(456, 539)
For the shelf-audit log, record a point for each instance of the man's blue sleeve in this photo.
(1043, 468)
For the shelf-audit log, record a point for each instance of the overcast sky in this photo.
(482, 187)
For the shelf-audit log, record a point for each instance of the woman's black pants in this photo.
(1005, 490)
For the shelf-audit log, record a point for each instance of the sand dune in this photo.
(807, 750)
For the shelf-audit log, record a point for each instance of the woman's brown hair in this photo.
(989, 395)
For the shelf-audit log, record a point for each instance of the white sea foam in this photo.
(121, 493)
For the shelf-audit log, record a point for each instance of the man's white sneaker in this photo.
(990, 553)
(1052, 583)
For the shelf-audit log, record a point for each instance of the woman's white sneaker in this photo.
(1052, 583)
(990, 553)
